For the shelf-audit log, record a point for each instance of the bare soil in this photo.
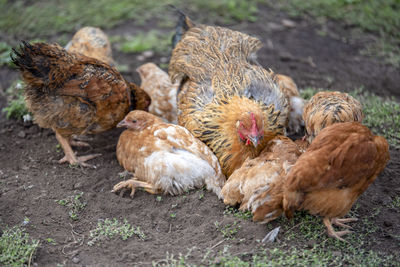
(31, 180)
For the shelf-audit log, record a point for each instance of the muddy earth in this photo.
(32, 182)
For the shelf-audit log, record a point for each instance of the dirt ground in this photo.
(31, 180)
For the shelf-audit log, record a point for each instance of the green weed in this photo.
(228, 230)
(74, 204)
(151, 40)
(107, 229)
(237, 213)
(16, 247)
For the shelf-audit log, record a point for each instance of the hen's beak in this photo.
(122, 124)
(255, 140)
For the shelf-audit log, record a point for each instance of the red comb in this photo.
(254, 130)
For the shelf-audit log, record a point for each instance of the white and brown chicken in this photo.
(165, 158)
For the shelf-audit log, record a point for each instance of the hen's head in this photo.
(138, 120)
(250, 128)
(146, 69)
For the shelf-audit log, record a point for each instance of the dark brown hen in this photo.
(74, 94)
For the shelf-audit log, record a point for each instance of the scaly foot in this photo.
(132, 184)
(341, 222)
(331, 232)
(73, 160)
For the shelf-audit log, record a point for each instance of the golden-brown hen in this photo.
(162, 92)
(74, 94)
(326, 108)
(165, 158)
(258, 183)
(225, 99)
(339, 165)
(91, 42)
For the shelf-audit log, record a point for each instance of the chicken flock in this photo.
(218, 119)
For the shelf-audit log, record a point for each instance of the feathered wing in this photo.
(258, 184)
(343, 155)
(178, 137)
(205, 48)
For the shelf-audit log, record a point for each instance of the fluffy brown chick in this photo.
(339, 165)
(225, 99)
(91, 42)
(165, 158)
(162, 92)
(296, 103)
(258, 184)
(326, 108)
(74, 94)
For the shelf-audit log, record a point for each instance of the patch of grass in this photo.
(5, 51)
(107, 229)
(49, 17)
(16, 108)
(152, 40)
(380, 16)
(228, 230)
(229, 10)
(382, 116)
(16, 247)
(395, 203)
(238, 213)
(74, 204)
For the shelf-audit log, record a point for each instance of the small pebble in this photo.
(76, 260)
(21, 134)
(288, 23)
(148, 53)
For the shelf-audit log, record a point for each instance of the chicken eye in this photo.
(134, 121)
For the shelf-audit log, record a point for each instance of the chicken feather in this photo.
(74, 94)
(221, 90)
(165, 156)
(338, 166)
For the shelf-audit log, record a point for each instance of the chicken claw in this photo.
(341, 222)
(78, 160)
(132, 184)
(331, 232)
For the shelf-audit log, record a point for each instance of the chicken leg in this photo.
(132, 184)
(331, 232)
(69, 153)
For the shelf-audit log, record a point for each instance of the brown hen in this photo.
(91, 42)
(165, 158)
(339, 165)
(226, 100)
(74, 94)
(326, 108)
(258, 183)
(162, 92)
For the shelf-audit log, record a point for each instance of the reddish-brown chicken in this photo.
(258, 183)
(74, 94)
(165, 158)
(339, 165)
(326, 108)
(91, 42)
(225, 99)
(162, 92)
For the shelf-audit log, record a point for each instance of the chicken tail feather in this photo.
(43, 66)
(184, 23)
